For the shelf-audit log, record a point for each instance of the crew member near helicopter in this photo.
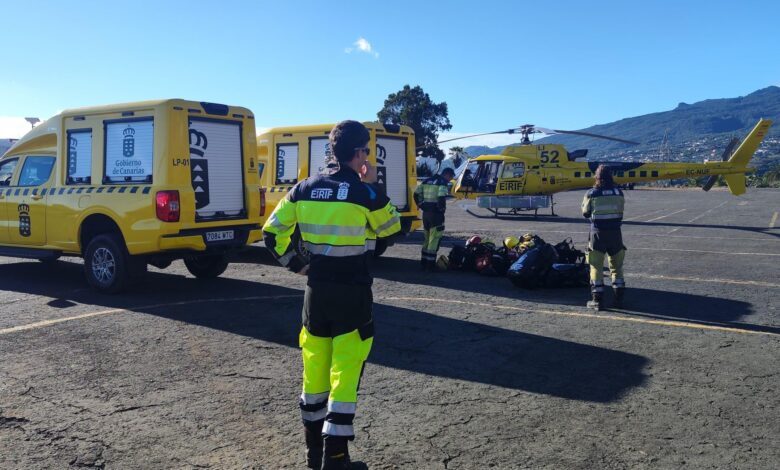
(603, 205)
(431, 197)
(339, 216)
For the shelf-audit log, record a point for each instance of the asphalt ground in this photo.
(467, 371)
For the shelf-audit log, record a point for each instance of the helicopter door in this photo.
(466, 181)
(512, 178)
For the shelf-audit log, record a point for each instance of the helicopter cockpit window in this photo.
(513, 170)
(467, 178)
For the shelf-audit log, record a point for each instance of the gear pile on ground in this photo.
(528, 261)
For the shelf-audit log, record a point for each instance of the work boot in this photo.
(314, 444)
(620, 293)
(595, 302)
(336, 454)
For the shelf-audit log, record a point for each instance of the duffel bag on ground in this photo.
(530, 269)
(568, 275)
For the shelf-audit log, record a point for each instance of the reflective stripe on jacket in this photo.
(339, 218)
(431, 195)
(604, 208)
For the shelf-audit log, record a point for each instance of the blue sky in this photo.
(496, 64)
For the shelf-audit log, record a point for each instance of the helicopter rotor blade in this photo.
(587, 134)
(508, 131)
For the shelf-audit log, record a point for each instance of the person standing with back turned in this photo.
(339, 217)
(431, 196)
(603, 205)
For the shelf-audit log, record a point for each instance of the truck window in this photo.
(391, 169)
(36, 171)
(129, 150)
(260, 170)
(286, 163)
(79, 157)
(513, 170)
(7, 171)
(321, 160)
(216, 168)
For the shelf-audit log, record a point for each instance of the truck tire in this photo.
(106, 264)
(206, 266)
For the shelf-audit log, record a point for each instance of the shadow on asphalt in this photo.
(699, 309)
(407, 339)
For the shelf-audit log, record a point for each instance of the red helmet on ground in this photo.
(473, 241)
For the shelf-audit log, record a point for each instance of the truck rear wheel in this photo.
(206, 266)
(106, 264)
(299, 247)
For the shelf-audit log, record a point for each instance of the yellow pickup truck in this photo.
(133, 184)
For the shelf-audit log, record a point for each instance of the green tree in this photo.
(414, 108)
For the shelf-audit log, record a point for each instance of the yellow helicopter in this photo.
(525, 176)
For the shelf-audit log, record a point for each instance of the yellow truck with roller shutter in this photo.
(133, 184)
(291, 154)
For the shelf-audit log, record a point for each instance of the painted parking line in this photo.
(700, 279)
(705, 251)
(665, 216)
(599, 316)
(54, 321)
(703, 214)
(655, 235)
(643, 215)
(773, 221)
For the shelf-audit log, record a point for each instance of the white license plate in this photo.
(220, 236)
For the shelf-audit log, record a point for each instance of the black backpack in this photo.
(568, 254)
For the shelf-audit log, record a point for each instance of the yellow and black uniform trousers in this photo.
(339, 218)
(604, 208)
(431, 197)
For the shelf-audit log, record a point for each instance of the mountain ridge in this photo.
(714, 117)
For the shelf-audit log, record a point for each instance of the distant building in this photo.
(6, 144)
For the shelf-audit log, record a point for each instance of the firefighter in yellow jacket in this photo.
(603, 205)
(339, 217)
(431, 197)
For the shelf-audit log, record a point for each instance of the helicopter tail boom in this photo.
(745, 151)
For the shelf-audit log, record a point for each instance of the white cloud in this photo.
(12, 127)
(362, 45)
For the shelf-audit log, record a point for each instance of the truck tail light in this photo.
(168, 208)
(262, 202)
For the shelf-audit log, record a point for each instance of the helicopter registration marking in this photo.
(698, 172)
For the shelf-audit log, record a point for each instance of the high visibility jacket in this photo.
(339, 218)
(431, 195)
(604, 208)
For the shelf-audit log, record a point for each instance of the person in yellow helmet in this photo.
(339, 217)
(603, 205)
